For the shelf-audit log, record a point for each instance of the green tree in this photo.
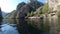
(39, 11)
(30, 14)
(45, 8)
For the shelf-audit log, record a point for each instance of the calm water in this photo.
(22, 26)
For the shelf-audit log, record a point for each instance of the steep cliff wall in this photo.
(53, 4)
(0, 14)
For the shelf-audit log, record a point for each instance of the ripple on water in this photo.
(7, 29)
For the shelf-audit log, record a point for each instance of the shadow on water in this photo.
(30, 27)
(25, 28)
(0, 23)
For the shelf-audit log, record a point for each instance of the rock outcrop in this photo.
(53, 4)
(24, 8)
(0, 14)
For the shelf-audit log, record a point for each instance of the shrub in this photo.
(30, 14)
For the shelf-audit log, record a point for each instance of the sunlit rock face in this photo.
(53, 4)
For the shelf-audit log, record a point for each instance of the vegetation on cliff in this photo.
(32, 9)
(41, 10)
(23, 9)
(10, 15)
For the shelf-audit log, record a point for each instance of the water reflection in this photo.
(35, 26)
(6, 28)
(0, 23)
(54, 25)
(28, 26)
(40, 26)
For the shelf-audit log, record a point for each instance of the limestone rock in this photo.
(53, 4)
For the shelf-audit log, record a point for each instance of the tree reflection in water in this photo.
(24, 28)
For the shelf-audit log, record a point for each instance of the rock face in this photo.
(53, 4)
(19, 7)
(23, 9)
(35, 4)
(0, 14)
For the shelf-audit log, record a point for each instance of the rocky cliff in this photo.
(53, 4)
(0, 14)
(23, 9)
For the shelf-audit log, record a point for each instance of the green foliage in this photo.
(58, 13)
(38, 11)
(10, 15)
(45, 8)
(30, 14)
(38, 14)
(58, 8)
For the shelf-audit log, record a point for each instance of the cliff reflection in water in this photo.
(36, 26)
(27, 26)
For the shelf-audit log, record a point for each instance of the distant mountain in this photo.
(4, 14)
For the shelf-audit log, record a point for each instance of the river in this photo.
(20, 26)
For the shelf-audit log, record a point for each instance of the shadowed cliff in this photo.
(23, 9)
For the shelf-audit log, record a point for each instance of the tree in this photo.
(30, 14)
(45, 8)
(39, 11)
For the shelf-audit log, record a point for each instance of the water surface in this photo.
(23, 26)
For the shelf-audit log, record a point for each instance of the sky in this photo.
(10, 5)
